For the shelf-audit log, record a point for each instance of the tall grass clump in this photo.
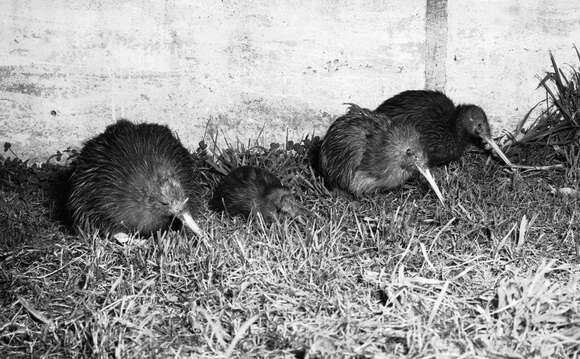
(558, 123)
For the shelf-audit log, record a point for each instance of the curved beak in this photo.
(190, 223)
(497, 150)
(429, 177)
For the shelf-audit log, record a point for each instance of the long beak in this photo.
(498, 150)
(189, 222)
(429, 177)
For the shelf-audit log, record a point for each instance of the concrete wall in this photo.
(497, 49)
(241, 68)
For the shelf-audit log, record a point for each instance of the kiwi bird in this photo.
(445, 129)
(134, 177)
(248, 190)
(363, 152)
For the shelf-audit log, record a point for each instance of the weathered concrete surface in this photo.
(237, 67)
(234, 65)
(496, 49)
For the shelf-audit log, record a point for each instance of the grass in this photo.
(493, 274)
(557, 126)
(559, 120)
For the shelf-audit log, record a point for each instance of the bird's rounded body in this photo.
(247, 190)
(132, 177)
(363, 152)
(446, 130)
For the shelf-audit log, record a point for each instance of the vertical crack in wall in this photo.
(436, 45)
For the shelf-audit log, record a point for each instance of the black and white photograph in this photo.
(297, 179)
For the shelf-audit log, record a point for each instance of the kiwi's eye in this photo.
(410, 152)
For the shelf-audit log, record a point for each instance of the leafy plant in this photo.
(559, 122)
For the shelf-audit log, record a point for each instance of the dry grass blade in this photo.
(37, 315)
(525, 225)
(240, 334)
(438, 303)
(539, 168)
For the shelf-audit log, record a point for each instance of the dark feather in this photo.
(130, 177)
(446, 129)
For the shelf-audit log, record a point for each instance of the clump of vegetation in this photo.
(558, 123)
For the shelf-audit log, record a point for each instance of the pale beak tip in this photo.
(191, 224)
(497, 150)
(429, 177)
